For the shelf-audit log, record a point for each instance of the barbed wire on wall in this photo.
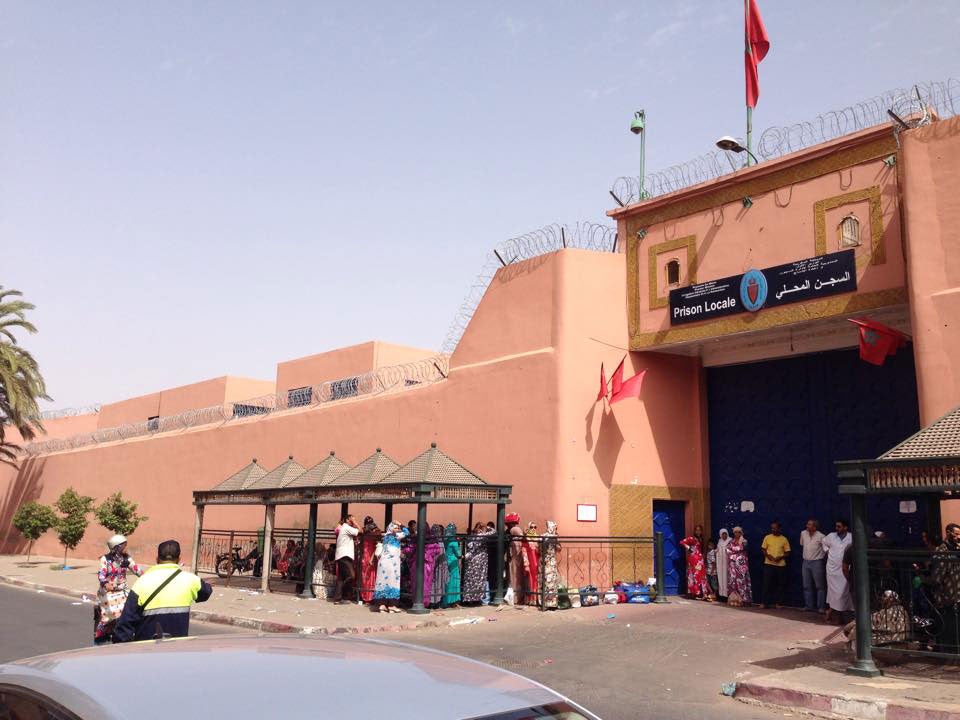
(70, 412)
(381, 380)
(913, 105)
(583, 235)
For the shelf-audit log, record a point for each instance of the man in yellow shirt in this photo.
(775, 548)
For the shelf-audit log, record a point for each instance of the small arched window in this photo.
(673, 272)
(849, 232)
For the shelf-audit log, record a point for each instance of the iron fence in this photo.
(215, 545)
(915, 601)
(581, 563)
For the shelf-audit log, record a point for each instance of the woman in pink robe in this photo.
(431, 551)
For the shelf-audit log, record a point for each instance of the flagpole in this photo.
(748, 50)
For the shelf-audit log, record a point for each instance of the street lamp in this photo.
(730, 144)
(638, 126)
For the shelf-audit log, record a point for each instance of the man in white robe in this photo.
(839, 600)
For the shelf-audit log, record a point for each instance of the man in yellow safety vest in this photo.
(159, 603)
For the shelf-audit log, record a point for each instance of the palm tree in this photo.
(21, 384)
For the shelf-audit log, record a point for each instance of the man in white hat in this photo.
(112, 595)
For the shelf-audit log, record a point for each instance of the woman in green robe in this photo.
(453, 553)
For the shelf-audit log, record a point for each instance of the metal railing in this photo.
(581, 562)
(215, 544)
(375, 382)
(915, 601)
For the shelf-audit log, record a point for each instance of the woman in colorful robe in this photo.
(515, 573)
(432, 550)
(697, 585)
(387, 585)
(368, 558)
(452, 555)
(722, 561)
(551, 574)
(112, 594)
(435, 562)
(476, 565)
(738, 570)
(531, 564)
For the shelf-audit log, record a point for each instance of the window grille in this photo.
(849, 232)
(298, 397)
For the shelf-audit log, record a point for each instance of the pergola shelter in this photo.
(431, 478)
(926, 464)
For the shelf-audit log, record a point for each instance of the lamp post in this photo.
(731, 144)
(638, 126)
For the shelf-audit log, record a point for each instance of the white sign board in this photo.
(586, 513)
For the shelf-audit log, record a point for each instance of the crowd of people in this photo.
(720, 570)
(461, 569)
(378, 566)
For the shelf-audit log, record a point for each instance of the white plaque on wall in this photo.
(586, 513)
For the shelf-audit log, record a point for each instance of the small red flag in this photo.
(603, 385)
(616, 381)
(629, 389)
(877, 340)
(757, 47)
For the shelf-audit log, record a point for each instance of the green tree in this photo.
(33, 519)
(73, 522)
(21, 384)
(119, 515)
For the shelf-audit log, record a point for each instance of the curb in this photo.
(859, 708)
(6, 580)
(265, 626)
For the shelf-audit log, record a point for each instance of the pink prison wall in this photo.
(931, 178)
(518, 408)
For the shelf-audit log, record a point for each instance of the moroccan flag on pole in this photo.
(630, 388)
(603, 384)
(757, 46)
(877, 340)
(617, 380)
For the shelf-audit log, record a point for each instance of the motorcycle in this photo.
(233, 562)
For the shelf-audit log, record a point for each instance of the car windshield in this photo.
(553, 711)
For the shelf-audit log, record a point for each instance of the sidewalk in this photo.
(242, 606)
(813, 679)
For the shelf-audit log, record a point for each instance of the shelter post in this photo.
(864, 666)
(311, 555)
(344, 510)
(469, 518)
(501, 549)
(387, 514)
(267, 548)
(418, 607)
(197, 533)
(934, 519)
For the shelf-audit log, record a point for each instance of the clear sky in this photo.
(190, 190)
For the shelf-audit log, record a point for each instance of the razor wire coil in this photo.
(915, 105)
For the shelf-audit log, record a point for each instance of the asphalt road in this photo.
(620, 672)
(33, 623)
